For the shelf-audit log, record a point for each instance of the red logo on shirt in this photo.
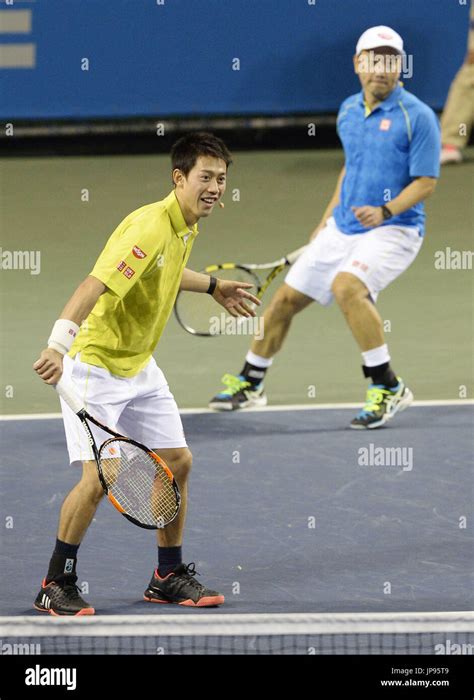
(138, 252)
(121, 265)
(385, 124)
(363, 266)
(129, 272)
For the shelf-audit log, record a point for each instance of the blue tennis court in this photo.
(289, 512)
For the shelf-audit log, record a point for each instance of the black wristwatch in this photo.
(387, 214)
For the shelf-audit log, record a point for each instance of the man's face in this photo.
(201, 189)
(378, 70)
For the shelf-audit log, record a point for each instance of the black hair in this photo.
(187, 149)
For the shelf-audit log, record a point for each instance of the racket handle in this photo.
(292, 257)
(66, 391)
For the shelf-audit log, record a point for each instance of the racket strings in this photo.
(199, 313)
(139, 484)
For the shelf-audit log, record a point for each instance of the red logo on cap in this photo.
(138, 252)
(129, 272)
(385, 36)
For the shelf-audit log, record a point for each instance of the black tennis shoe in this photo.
(62, 598)
(181, 587)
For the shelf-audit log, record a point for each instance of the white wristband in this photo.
(63, 335)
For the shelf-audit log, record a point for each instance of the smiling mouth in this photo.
(209, 200)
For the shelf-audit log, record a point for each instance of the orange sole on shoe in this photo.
(84, 611)
(203, 603)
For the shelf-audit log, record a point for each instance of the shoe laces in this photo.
(375, 396)
(70, 588)
(234, 384)
(189, 572)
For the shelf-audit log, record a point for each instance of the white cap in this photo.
(379, 36)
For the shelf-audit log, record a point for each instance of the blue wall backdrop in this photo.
(148, 58)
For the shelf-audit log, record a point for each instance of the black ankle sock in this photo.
(168, 559)
(253, 374)
(381, 374)
(63, 561)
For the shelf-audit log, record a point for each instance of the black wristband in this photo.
(212, 285)
(387, 214)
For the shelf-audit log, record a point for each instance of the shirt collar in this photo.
(387, 104)
(180, 227)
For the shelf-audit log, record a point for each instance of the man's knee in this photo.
(184, 463)
(179, 460)
(287, 302)
(348, 288)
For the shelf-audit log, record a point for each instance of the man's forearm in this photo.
(415, 192)
(194, 281)
(83, 300)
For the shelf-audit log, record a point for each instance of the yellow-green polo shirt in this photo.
(141, 266)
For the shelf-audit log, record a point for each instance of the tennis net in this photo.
(297, 633)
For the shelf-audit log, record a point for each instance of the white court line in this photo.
(265, 409)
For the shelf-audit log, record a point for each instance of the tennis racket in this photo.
(196, 312)
(135, 479)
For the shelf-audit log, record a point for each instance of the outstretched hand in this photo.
(234, 297)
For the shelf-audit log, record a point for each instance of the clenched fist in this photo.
(49, 366)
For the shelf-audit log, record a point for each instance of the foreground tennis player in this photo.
(123, 306)
(370, 233)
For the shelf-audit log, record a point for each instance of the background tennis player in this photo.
(370, 233)
(123, 306)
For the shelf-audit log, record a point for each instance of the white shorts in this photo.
(376, 258)
(140, 407)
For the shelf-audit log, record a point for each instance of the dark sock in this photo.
(168, 559)
(381, 374)
(253, 374)
(63, 562)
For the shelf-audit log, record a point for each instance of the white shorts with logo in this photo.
(376, 258)
(140, 407)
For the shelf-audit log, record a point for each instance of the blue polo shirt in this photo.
(385, 150)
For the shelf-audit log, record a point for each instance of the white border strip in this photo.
(265, 409)
(237, 625)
